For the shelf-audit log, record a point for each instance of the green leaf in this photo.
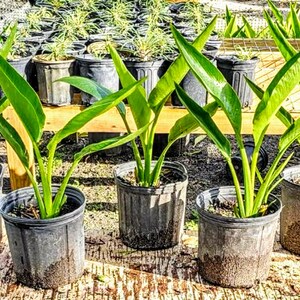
(4, 103)
(189, 123)
(250, 32)
(231, 28)
(228, 15)
(295, 23)
(14, 140)
(96, 109)
(286, 49)
(276, 12)
(213, 80)
(23, 99)
(283, 115)
(87, 85)
(278, 90)
(176, 72)
(205, 121)
(4, 51)
(109, 143)
(289, 136)
(137, 100)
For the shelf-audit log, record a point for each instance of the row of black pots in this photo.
(232, 252)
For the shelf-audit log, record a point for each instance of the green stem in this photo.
(47, 196)
(237, 186)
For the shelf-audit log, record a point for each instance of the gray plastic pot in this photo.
(290, 216)
(234, 252)
(235, 70)
(50, 92)
(45, 253)
(151, 218)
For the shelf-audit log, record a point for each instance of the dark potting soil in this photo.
(31, 211)
(167, 176)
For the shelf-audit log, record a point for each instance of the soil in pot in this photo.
(290, 218)
(151, 218)
(234, 252)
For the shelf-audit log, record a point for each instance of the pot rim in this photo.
(150, 190)
(38, 59)
(28, 192)
(233, 221)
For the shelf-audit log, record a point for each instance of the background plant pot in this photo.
(192, 86)
(235, 70)
(153, 70)
(45, 253)
(50, 92)
(151, 218)
(290, 216)
(102, 71)
(237, 160)
(234, 252)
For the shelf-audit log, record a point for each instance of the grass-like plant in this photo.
(254, 201)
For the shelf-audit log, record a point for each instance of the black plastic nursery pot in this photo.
(102, 71)
(153, 70)
(234, 252)
(290, 216)
(45, 253)
(235, 71)
(151, 218)
(51, 92)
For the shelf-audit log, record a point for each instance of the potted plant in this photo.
(235, 68)
(52, 66)
(237, 224)
(44, 223)
(152, 193)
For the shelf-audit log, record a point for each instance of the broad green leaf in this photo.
(205, 121)
(139, 107)
(87, 85)
(93, 88)
(96, 109)
(283, 115)
(250, 32)
(109, 143)
(176, 72)
(213, 80)
(295, 23)
(284, 31)
(231, 28)
(23, 99)
(276, 12)
(188, 123)
(286, 49)
(278, 90)
(14, 140)
(289, 136)
(4, 51)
